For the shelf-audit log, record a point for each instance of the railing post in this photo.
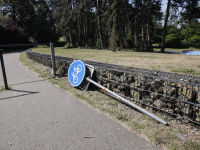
(53, 58)
(3, 69)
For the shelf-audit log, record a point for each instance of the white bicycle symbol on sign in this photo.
(75, 73)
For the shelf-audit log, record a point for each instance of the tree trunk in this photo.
(125, 24)
(84, 32)
(99, 21)
(136, 25)
(143, 35)
(91, 34)
(150, 49)
(78, 31)
(165, 26)
(70, 38)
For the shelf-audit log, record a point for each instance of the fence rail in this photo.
(177, 95)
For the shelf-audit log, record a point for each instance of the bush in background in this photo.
(11, 33)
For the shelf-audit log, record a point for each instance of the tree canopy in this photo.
(104, 23)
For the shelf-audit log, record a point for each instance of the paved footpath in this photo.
(36, 115)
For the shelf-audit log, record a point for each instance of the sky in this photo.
(164, 5)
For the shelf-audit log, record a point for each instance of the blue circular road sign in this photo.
(76, 73)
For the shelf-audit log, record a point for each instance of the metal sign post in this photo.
(76, 75)
(3, 69)
(128, 102)
(53, 59)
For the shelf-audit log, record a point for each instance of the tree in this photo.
(45, 25)
(192, 10)
(34, 17)
(22, 12)
(194, 39)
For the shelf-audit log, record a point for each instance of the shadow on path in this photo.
(26, 93)
(27, 82)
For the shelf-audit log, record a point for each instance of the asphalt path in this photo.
(36, 115)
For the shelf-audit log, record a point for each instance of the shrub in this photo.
(11, 33)
(172, 40)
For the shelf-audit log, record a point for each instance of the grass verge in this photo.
(178, 135)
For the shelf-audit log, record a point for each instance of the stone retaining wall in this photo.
(175, 94)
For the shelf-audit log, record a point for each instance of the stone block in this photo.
(169, 91)
(136, 77)
(187, 93)
(116, 78)
(113, 84)
(173, 98)
(116, 90)
(132, 92)
(142, 88)
(158, 103)
(110, 74)
(109, 86)
(137, 83)
(169, 110)
(198, 97)
(123, 78)
(130, 78)
(105, 85)
(148, 100)
(197, 113)
(150, 109)
(132, 86)
(170, 105)
(156, 84)
(100, 82)
(121, 87)
(164, 99)
(102, 73)
(183, 98)
(185, 109)
(137, 96)
(154, 96)
(151, 89)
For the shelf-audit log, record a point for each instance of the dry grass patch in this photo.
(163, 62)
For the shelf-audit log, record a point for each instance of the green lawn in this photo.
(156, 61)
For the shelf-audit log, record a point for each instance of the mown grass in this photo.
(178, 63)
(157, 133)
